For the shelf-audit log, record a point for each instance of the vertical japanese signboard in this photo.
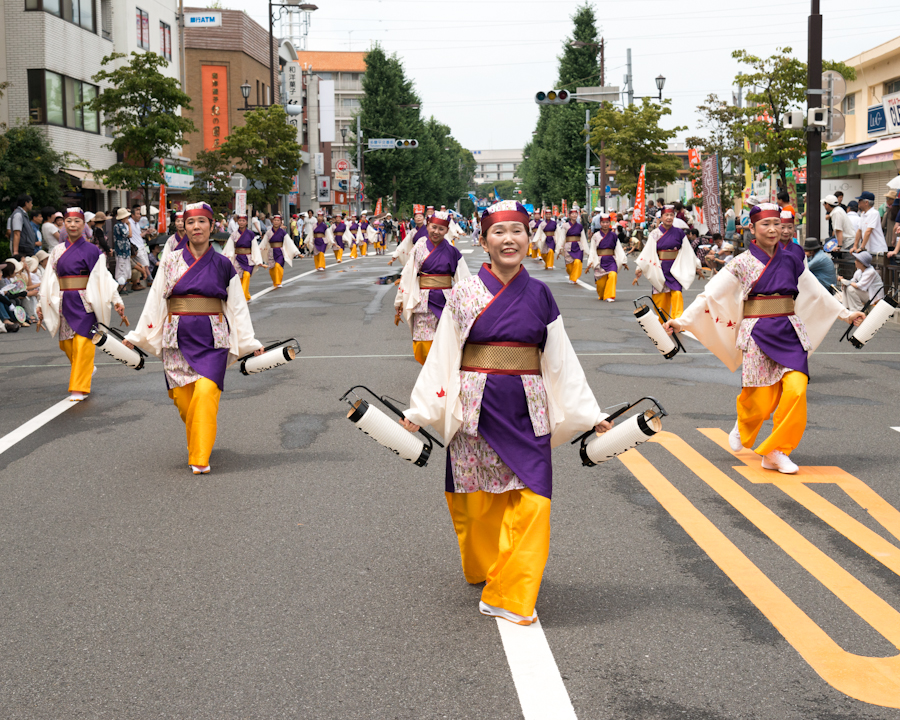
(240, 202)
(640, 197)
(712, 202)
(294, 82)
(214, 81)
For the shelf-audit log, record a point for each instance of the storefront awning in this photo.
(851, 152)
(87, 179)
(883, 151)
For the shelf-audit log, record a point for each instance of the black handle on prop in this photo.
(617, 413)
(272, 347)
(388, 404)
(118, 335)
(666, 317)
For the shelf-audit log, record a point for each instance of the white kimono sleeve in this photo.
(648, 264)
(289, 250)
(621, 257)
(404, 249)
(714, 318)
(408, 292)
(310, 245)
(462, 272)
(560, 238)
(167, 249)
(371, 235)
(347, 237)
(435, 399)
(684, 269)
(148, 333)
(50, 297)
(817, 308)
(255, 255)
(228, 250)
(540, 239)
(102, 291)
(571, 403)
(241, 338)
(329, 239)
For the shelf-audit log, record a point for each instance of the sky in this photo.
(477, 64)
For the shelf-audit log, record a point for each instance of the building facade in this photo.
(51, 51)
(495, 165)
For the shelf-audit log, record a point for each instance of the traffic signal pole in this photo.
(813, 135)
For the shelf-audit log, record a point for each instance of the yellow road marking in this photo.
(871, 680)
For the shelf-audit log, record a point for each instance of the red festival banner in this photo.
(556, 211)
(213, 82)
(378, 207)
(640, 200)
(564, 209)
(694, 162)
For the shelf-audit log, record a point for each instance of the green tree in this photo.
(211, 180)
(633, 137)
(723, 124)
(776, 85)
(267, 153)
(555, 167)
(141, 107)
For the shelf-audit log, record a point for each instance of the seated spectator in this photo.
(819, 262)
(727, 253)
(865, 285)
(14, 291)
(712, 259)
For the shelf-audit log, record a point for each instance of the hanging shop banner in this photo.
(712, 194)
(214, 84)
(640, 197)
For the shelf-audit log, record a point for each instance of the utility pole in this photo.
(359, 162)
(629, 84)
(813, 136)
(603, 179)
(587, 158)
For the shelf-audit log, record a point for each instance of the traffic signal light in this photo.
(407, 144)
(552, 97)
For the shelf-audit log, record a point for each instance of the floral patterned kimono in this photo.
(503, 385)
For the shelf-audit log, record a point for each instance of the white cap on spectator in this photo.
(830, 200)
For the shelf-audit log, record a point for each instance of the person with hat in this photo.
(767, 311)
(367, 235)
(865, 285)
(869, 236)
(607, 258)
(503, 386)
(353, 230)
(243, 251)
(76, 293)
(434, 267)
(197, 320)
(842, 228)
(122, 250)
(178, 239)
(669, 263)
(819, 262)
(419, 231)
(570, 237)
(278, 248)
(340, 235)
(545, 239)
(318, 241)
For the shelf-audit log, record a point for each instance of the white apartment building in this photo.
(52, 48)
(494, 165)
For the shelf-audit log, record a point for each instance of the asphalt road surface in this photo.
(313, 574)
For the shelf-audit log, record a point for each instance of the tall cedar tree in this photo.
(267, 153)
(211, 180)
(776, 85)
(141, 107)
(633, 137)
(555, 167)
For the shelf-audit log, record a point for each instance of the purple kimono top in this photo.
(574, 249)
(608, 242)
(278, 253)
(207, 276)
(245, 240)
(79, 258)
(549, 229)
(441, 260)
(775, 336)
(319, 242)
(672, 239)
(180, 241)
(363, 228)
(339, 231)
(519, 313)
(354, 227)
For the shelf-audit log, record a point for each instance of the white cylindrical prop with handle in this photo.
(387, 431)
(623, 437)
(874, 321)
(656, 332)
(267, 361)
(117, 350)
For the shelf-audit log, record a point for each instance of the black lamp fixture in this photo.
(343, 135)
(660, 84)
(245, 91)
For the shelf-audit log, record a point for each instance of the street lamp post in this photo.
(660, 84)
(306, 8)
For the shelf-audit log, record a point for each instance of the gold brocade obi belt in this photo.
(668, 254)
(606, 251)
(319, 235)
(73, 282)
(501, 358)
(194, 305)
(435, 282)
(276, 244)
(761, 306)
(243, 251)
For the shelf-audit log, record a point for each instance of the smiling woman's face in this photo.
(506, 243)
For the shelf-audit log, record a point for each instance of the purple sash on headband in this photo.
(207, 276)
(245, 240)
(441, 260)
(520, 313)
(672, 239)
(278, 236)
(608, 242)
(79, 258)
(775, 336)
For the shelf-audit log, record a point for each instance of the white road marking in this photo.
(269, 289)
(542, 693)
(36, 423)
(467, 252)
(585, 285)
(896, 428)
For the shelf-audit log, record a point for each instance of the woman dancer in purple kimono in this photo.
(340, 243)
(607, 257)
(243, 251)
(197, 320)
(277, 248)
(425, 283)
(179, 238)
(77, 292)
(546, 241)
(570, 235)
(503, 385)
(767, 309)
(318, 240)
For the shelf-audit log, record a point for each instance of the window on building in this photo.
(490, 167)
(143, 28)
(80, 12)
(349, 105)
(507, 166)
(506, 176)
(490, 176)
(849, 105)
(165, 40)
(892, 86)
(324, 76)
(53, 99)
